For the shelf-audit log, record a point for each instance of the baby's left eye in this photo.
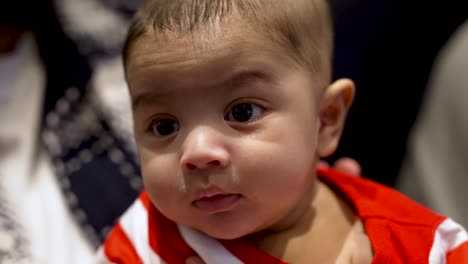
(243, 112)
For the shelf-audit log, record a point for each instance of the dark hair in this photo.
(304, 26)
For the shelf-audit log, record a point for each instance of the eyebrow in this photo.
(244, 78)
(145, 96)
(235, 81)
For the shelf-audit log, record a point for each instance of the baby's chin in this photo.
(225, 233)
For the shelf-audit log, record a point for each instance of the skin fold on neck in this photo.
(316, 237)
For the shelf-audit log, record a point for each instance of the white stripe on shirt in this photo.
(208, 248)
(448, 236)
(135, 225)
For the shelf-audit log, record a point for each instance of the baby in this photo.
(233, 105)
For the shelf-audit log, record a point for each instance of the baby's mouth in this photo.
(217, 203)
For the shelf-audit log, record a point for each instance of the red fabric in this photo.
(164, 237)
(166, 240)
(400, 230)
(458, 255)
(119, 249)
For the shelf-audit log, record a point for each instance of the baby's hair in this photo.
(304, 27)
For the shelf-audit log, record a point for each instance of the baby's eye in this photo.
(243, 112)
(164, 126)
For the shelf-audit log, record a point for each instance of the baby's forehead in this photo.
(226, 46)
(180, 60)
(299, 28)
(232, 32)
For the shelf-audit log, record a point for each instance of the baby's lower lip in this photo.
(218, 203)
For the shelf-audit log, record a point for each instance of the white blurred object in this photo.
(26, 174)
(98, 27)
(435, 171)
(113, 98)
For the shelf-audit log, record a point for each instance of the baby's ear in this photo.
(336, 101)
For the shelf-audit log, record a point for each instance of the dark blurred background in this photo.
(388, 47)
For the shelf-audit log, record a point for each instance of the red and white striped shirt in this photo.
(400, 231)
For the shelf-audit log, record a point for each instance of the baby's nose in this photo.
(204, 148)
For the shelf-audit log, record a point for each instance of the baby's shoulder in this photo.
(370, 200)
(400, 229)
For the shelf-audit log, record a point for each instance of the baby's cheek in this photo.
(157, 170)
(165, 187)
(162, 195)
(157, 182)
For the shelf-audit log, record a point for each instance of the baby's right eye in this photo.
(162, 127)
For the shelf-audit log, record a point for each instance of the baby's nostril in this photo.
(191, 166)
(215, 162)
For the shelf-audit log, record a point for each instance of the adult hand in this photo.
(346, 165)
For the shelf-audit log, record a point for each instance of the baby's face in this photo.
(227, 128)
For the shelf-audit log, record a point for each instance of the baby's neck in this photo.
(317, 236)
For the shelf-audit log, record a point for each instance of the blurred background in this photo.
(68, 167)
(388, 49)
